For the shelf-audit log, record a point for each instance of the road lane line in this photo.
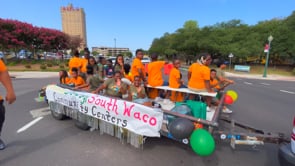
(28, 125)
(40, 112)
(248, 83)
(264, 83)
(287, 92)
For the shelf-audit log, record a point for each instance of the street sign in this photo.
(231, 55)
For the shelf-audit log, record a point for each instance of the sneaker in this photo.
(2, 145)
(227, 111)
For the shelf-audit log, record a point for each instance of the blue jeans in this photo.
(183, 86)
(165, 83)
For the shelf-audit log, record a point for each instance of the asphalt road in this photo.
(263, 104)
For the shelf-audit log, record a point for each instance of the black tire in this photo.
(81, 125)
(286, 157)
(56, 115)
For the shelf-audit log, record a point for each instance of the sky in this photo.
(136, 23)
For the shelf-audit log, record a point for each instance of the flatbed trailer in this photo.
(235, 133)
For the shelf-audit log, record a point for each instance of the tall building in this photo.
(73, 23)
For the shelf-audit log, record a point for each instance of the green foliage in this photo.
(43, 67)
(12, 63)
(293, 71)
(228, 37)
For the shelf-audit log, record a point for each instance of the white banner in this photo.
(137, 118)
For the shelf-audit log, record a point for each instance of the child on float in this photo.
(176, 82)
(75, 78)
(93, 81)
(109, 69)
(199, 78)
(64, 77)
(214, 84)
(114, 86)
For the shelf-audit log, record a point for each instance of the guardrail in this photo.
(243, 68)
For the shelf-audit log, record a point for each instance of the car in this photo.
(1, 55)
(146, 60)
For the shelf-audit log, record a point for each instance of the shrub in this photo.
(13, 63)
(28, 66)
(49, 64)
(61, 66)
(293, 71)
(43, 67)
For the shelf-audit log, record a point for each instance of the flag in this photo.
(266, 48)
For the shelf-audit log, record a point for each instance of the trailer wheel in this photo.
(81, 125)
(56, 111)
(286, 157)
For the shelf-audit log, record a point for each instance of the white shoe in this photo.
(227, 111)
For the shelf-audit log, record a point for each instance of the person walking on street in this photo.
(10, 96)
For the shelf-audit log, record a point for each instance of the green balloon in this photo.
(202, 142)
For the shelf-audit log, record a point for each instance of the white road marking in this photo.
(248, 83)
(287, 91)
(40, 112)
(28, 125)
(264, 83)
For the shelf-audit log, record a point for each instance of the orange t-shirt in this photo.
(2, 69)
(174, 77)
(214, 83)
(136, 65)
(84, 63)
(128, 76)
(66, 80)
(74, 62)
(199, 74)
(155, 73)
(173, 83)
(77, 81)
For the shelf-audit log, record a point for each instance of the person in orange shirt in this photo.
(155, 72)
(137, 68)
(63, 77)
(10, 96)
(176, 82)
(214, 83)
(75, 62)
(76, 79)
(199, 77)
(84, 61)
(127, 73)
(155, 76)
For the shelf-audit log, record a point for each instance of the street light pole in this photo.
(270, 38)
(115, 46)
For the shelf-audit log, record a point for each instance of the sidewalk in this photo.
(33, 74)
(256, 76)
(259, 76)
